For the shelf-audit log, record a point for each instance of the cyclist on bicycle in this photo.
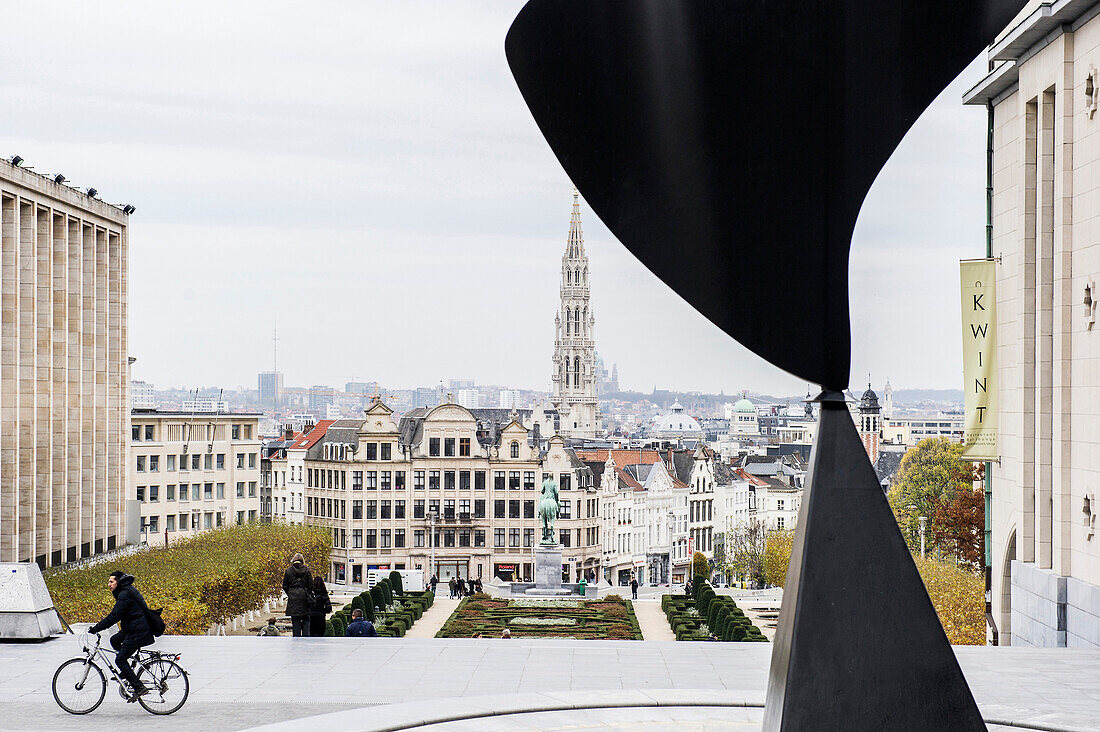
(129, 612)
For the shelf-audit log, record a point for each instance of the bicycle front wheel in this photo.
(79, 686)
(168, 686)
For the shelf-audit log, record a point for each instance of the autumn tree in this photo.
(934, 481)
(777, 556)
(958, 595)
(699, 565)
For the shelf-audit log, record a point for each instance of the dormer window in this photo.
(515, 449)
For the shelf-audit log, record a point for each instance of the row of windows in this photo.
(208, 461)
(700, 510)
(146, 432)
(502, 538)
(451, 479)
(196, 521)
(196, 491)
(449, 444)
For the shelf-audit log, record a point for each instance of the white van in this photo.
(411, 579)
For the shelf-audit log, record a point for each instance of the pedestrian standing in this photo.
(453, 586)
(435, 581)
(298, 586)
(322, 606)
(634, 588)
(461, 587)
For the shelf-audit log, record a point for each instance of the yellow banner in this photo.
(979, 326)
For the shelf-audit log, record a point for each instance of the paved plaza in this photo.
(240, 683)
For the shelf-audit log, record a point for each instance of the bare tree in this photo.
(743, 554)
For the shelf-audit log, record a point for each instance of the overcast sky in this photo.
(368, 174)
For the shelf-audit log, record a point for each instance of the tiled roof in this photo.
(303, 442)
(752, 479)
(621, 457)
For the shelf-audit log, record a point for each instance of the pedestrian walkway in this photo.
(432, 620)
(652, 620)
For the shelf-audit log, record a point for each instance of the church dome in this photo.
(869, 401)
(744, 405)
(676, 424)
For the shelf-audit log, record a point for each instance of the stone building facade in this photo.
(192, 472)
(64, 377)
(1043, 91)
(447, 492)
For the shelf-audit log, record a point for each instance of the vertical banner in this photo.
(979, 324)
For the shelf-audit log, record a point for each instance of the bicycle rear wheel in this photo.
(168, 686)
(79, 686)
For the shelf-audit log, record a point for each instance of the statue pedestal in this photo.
(547, 574)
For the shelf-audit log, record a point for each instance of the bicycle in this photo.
(79, 684)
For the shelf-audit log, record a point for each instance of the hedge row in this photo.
(407, 607)
(719, 613)
(485, 616)
(199, 581)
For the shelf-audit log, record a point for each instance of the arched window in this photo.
(576, 371)
(515, 449)
(568, 276)
(577, 321)
(567, 321)
(577, 275)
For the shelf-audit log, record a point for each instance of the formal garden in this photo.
(482, 616)
(708, 616)
(200, 581)
(390, 608)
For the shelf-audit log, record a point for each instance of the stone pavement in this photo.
(244, 682)
(652, 621)
(432, 620)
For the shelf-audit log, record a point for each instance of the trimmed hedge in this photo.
(395, 582)
(719, 613)
(608, 618)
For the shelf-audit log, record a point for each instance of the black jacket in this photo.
(324, 604)
(129, 612)
(297, 582)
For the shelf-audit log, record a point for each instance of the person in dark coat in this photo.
(435, 581)
(297, 584)
(360, 627)
(129, 613)
(320, 609)
(453, 586)
(634, 588)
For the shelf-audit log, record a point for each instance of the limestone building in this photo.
(1042, 93)
(64, 378)
(192, 472)
(574, 378)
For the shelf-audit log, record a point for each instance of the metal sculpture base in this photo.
(859, 645)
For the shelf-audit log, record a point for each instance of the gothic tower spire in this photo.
(574, 376)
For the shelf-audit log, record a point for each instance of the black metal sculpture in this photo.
(728, 144)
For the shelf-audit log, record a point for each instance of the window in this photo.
(154, 524)
(449, 480)
(208, 520)
(564, 481)
(208, 462)
(372, 451)
(513, 480)
(564, 536)
(372, 538)
(357, 480)
(141, 463)
(464, 480)
(220, 460)
(464, 537)
(779, 522)
(464, 447)
(240, 489)
(183, 462)
(528, 509)
(251, 489)
(251, 459)
(515, 449)
(221, 490)
(399, 538)
(479, 508)
(449, 508)
(433, 446)
(433, 480)
(235, 431)
(183, 491)
(564, 512)
(513, 537)
(240, 460)
(528, 480)
(498, 538)
(149, 432)
(154, 493)
(372, 479)
(399, 480)
(170, 522)
(141, 493)
(170, 492)
(449, 537)
(135, 432)
(433, 507)
(385, 449)
(399, 509)
(499, 507)
(385, 538)
(449, 447)
(479, 537)
(479, 480)
(499, 480)
(154, 463)
(418, 508)
(195, 462)
(778, 504)
(356, 510)
(386, 481)
(170, 463)
(418, 538)
(528, 537)
(207, 491)
(513, 509)
(372, 509)
(356, 538)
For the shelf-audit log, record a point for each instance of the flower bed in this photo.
(483, 616)
(709, 616)
(206, 579)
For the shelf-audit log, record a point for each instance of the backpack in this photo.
(155, 621)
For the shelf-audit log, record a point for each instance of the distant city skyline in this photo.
(384, 195)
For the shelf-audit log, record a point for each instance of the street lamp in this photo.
(433, 514)
(671, 518)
